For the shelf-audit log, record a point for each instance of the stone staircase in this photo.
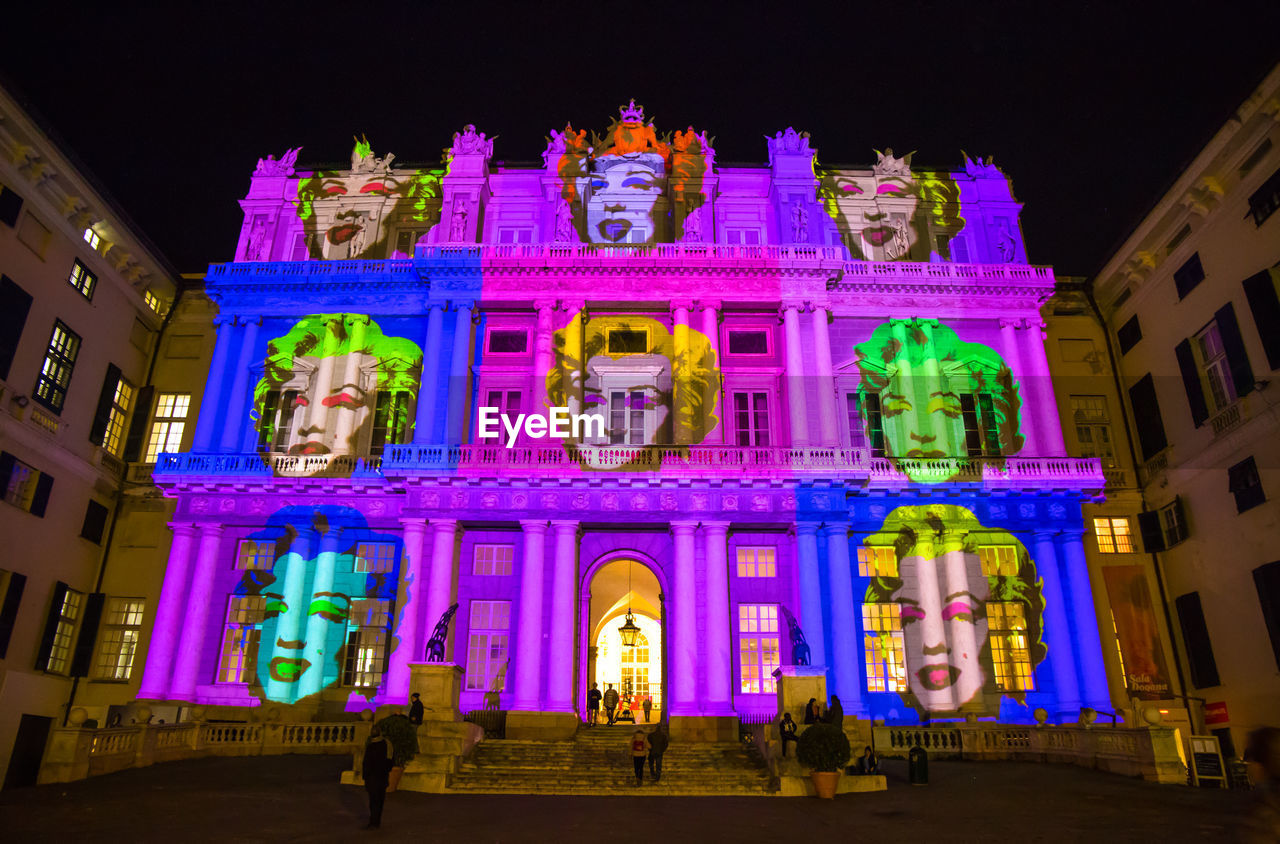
(598, 762)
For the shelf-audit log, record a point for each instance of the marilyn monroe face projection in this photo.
(968, 622)
(888, 216)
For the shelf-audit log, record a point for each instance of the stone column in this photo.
(444, 534)
(828, 415)
(1049, 433)
(1088, 644)
(680, 371)
(1057, 630)
(1027, 426)
(214, 387)
(428, 386)
(459, 368)
(233, 428)
(845, 674)
(170, 612)
(795, 376)
(810, 592)
(413, 570)
(711, 330)
(345, 426)
(192, 644)
(682, 643)
(719, 657)
(561, 658)
(529, 627)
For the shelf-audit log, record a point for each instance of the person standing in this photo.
(415, 708)
(648, 708)
(639, 750)
(658, 740)
(835, 713)
(787, 729)
(811, 711)
(593, 705)
(610, 703)
(378, 755)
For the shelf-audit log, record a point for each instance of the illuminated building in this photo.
(825, 400)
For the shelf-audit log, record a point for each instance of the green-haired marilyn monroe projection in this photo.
(957, 603)
(327, 379)
(925, 393)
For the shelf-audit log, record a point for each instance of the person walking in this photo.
(593, 705)
(610, 703)
(648, 707)
(378, 755)
(415, 708)
(787, 729)
(811, 711)
(639, 750)
(658, 740)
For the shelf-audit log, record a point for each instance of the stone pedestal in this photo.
(703, 728)
(541, 726)
(438, 684)
(798, 683)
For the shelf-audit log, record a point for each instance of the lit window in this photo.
(757, 562)
(981, 428)
(55, 372)
(83, 280)
(1093, 428)
(237, 662)
(751, 417)
(635, 669)
(627, 417)
(119, 644)
(375, 557)
(493, 559)
(91, 238)
(487, 644)
(869, 430)
(1010, 648)
(1172, 523)
(368, 632)
(1215, 370)
(390, 420)
(282, 413)
(168, 424)
(758, 647)
(118, 416)
(252, 554)
(884, 648)
(68, 614)
(151, 300)
(877, 561)
(1113, 535)
(999, 560)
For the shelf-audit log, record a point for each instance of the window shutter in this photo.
(1260, 290)
(9, 612)
(1146, 417)
(138, 426)
(50, 626)
(41, 499)
(1152, 534)
(15, 303)
(82, 658)
(1191, 382)
(98, 431)
(1233, 345)
(6, 469)
(1265, 578)
(1195, 633)
(1184, 530)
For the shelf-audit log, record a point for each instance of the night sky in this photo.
(1093, 111)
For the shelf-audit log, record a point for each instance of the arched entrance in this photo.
(637, 672)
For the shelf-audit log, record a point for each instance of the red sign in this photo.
(1216, 713)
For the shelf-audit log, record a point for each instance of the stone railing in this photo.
(268, 465)
(1148, 752)
(76, 753)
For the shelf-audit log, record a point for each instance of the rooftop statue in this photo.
(788, 141)
(887, 165)
(568, 142)
(270, 166)
(629, 133)
(469, 142)
(977, 169)
(364, 161)
(693, 143)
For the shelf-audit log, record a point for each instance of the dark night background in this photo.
(1093, 110)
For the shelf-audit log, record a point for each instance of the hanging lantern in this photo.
(629, 631)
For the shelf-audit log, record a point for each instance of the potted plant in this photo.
(403, 735)
(825, 749)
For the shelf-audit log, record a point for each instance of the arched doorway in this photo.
(636, 672)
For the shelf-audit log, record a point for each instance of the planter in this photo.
(825, 782)
(393, 779)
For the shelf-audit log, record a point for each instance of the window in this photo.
(113, 412)
(390, 420)
(1163, 528)
(252, 554)
(1146, 416)
(751, 418)
(10, 207)
(853, 420)
(883, 647)
(998, 560)
(1262, 289)
(1093, 428)
(506, 401)
(25, 487)
(15, 304)
(95, 522)
(877, 561)
(1244, 483)
(742, 237)
(59, 362)
(12, 585)
(83, 280)
(152, 301)
(493, 559)
(753, 342)
(1183, 234)
(280, 415)
(1265, 578)
(1215, 368)
(1213, 362)
(1010, 649)
(168, 424)
(375, 557)
(959, 248)
(1129, 334)
(34, 234)
(757, 562)
(627, 417)
(515, 235)
(1256, 156)
(508, 341)
(91, 238)
(368, 634)
(628, 341)
(487, 644)
(1195, 633)
(301, 251)
(245, 614)
(635, 668)
(63, 618)
(874, 422)
(406, 240)
(1113, 535)
(1190, 274)
(981, 428)
(119, 640)
(758, 648)
(1265, 200)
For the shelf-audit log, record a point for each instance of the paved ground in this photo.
(298, 798)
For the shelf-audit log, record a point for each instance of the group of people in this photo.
(610, 698)
(867, 763)
(651, 746)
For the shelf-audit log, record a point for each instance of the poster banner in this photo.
(1144, 665)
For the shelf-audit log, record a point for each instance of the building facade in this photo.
(488, 414)
(82, 298)
(1190, 303)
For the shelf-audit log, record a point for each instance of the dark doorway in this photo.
(28, 751)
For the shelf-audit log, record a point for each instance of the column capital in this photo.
(412, 523)
(184, 528)
(462, 304)
(717, 526)
(707, 304)
(684, 527)
(681, 304)
(533, 525)
(1044, 535)
(792, 305)
(213, 529)
(442, 525)
(1070, 534)
(224, 321)
(835, 528)
(1010, 322)
(807, 528)
(572, 305)
(565, 523)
